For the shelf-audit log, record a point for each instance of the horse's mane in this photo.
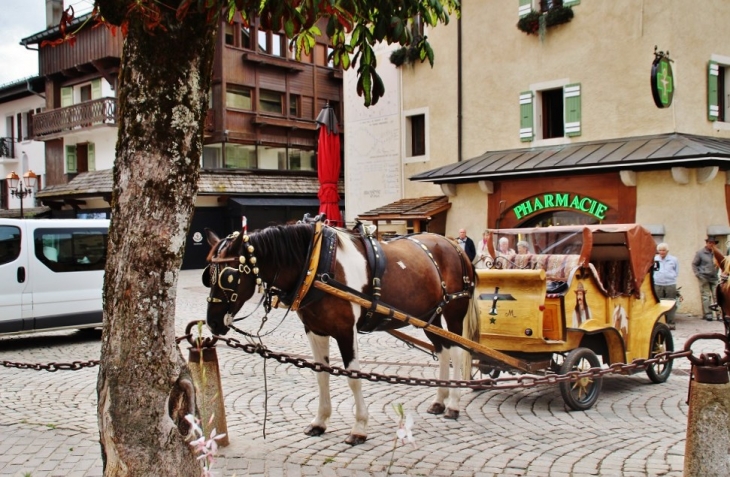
(282, 245)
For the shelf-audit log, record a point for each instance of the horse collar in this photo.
(309, 272)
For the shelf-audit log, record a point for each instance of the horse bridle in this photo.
(228, 278)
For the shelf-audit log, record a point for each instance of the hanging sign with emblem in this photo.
(662, 79)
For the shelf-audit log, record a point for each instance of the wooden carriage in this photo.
(580, 297)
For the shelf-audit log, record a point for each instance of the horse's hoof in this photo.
(354, 439)
(436, 408)
(451, 414)
(314, 430)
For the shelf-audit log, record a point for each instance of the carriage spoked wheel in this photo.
(661, 342)
(581, 394)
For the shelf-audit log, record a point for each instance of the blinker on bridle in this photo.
(229, 278)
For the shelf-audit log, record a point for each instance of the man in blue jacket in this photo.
(467, 244)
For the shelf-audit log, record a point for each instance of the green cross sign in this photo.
(662, 82)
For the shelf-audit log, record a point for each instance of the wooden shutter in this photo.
(571, 97)
(19, 122)
(91, 156)
(96, 88)
(71, 163)
(525, 7)
(527, 131)
(67, 96)
(30, 124)
(713, 99)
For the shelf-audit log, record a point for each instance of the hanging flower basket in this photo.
(557, 15)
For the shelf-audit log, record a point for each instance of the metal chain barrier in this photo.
(505, 382)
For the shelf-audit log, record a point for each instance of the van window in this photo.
(71, 250)
(9, 243)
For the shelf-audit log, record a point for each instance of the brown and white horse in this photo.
(722, 293)
(426, 276)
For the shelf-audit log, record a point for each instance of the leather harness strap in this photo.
(309, 275)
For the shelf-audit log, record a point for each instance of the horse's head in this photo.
(232, 276)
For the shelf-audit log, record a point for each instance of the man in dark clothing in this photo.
(705, 269)
(467, 244)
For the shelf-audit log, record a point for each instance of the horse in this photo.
(425, 276)
(722, 292)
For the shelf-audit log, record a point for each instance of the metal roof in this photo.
(52, 32)
(634, 153)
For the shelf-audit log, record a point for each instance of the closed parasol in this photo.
(328, 165)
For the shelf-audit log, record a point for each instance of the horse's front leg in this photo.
(350, 357)
(438, 406)
(320, 351)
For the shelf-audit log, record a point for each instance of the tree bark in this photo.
(164, 82)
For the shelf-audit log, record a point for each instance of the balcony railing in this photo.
(7, 148)
(79, 116)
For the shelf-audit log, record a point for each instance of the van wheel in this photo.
(582, 393)
(661, 342)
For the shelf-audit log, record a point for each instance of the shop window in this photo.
(238, 98)
(416, 141)
(300, 160)
(562, 217)
(270, 102)
(549, 112)
(240, 156)
(212, 156)
(718, 88)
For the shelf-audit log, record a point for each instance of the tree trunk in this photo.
(164, 82)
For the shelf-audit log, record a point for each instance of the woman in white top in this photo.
(482, 251)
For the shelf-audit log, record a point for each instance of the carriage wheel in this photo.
(580, 395)
(661, 341)
(485, 371)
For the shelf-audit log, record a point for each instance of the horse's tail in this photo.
(472, 333)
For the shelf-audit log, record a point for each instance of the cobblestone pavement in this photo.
(49, 427)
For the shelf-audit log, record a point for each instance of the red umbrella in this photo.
(328, 165)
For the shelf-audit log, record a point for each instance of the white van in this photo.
(51, 273)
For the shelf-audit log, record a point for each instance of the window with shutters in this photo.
(718, 89)
(525, 6)
(549, 111)
(80, 157)
(416, 135)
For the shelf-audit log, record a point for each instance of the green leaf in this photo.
(289, 28)
(429, 52)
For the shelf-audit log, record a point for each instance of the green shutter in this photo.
(67, 96)
(526, 126)
(525, 7)
(571, 97)
(90, 152)
(570, 3)
(96, 88)
(71, 163)
(713, 99)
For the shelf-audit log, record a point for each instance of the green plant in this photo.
(530, 23)
(407, 55)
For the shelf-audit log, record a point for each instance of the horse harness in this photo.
(320, 266)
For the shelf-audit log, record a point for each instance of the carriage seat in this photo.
(558, 268)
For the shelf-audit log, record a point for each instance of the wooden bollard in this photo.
(708, 422)
(203, 364)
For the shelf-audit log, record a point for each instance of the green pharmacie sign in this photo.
(662, 82)
(561, 200)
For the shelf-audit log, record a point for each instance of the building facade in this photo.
(612, 112)
(260, 135)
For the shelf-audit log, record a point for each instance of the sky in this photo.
(21, 19)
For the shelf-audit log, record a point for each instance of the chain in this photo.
(52, 367)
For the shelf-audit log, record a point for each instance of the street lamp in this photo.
(19, 189)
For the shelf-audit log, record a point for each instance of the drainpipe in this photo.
(458, 91)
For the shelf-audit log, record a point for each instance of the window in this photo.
(270, 102)
(240, 156)
(245, 37)
(80, 158)
(66, 250)
(416, 127)
(301, 160)
(718, 89)
(229, 34)
(238, 98)
(9, 243)
(79, 93)
(525, 6)
(295, 106)
(557, 112)
(277, 45)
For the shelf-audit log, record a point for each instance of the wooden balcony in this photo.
(57, 122)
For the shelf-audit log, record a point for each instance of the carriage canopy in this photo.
(630, 244)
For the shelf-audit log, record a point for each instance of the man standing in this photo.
(666, 269)
(467, 244)
(705, 269)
